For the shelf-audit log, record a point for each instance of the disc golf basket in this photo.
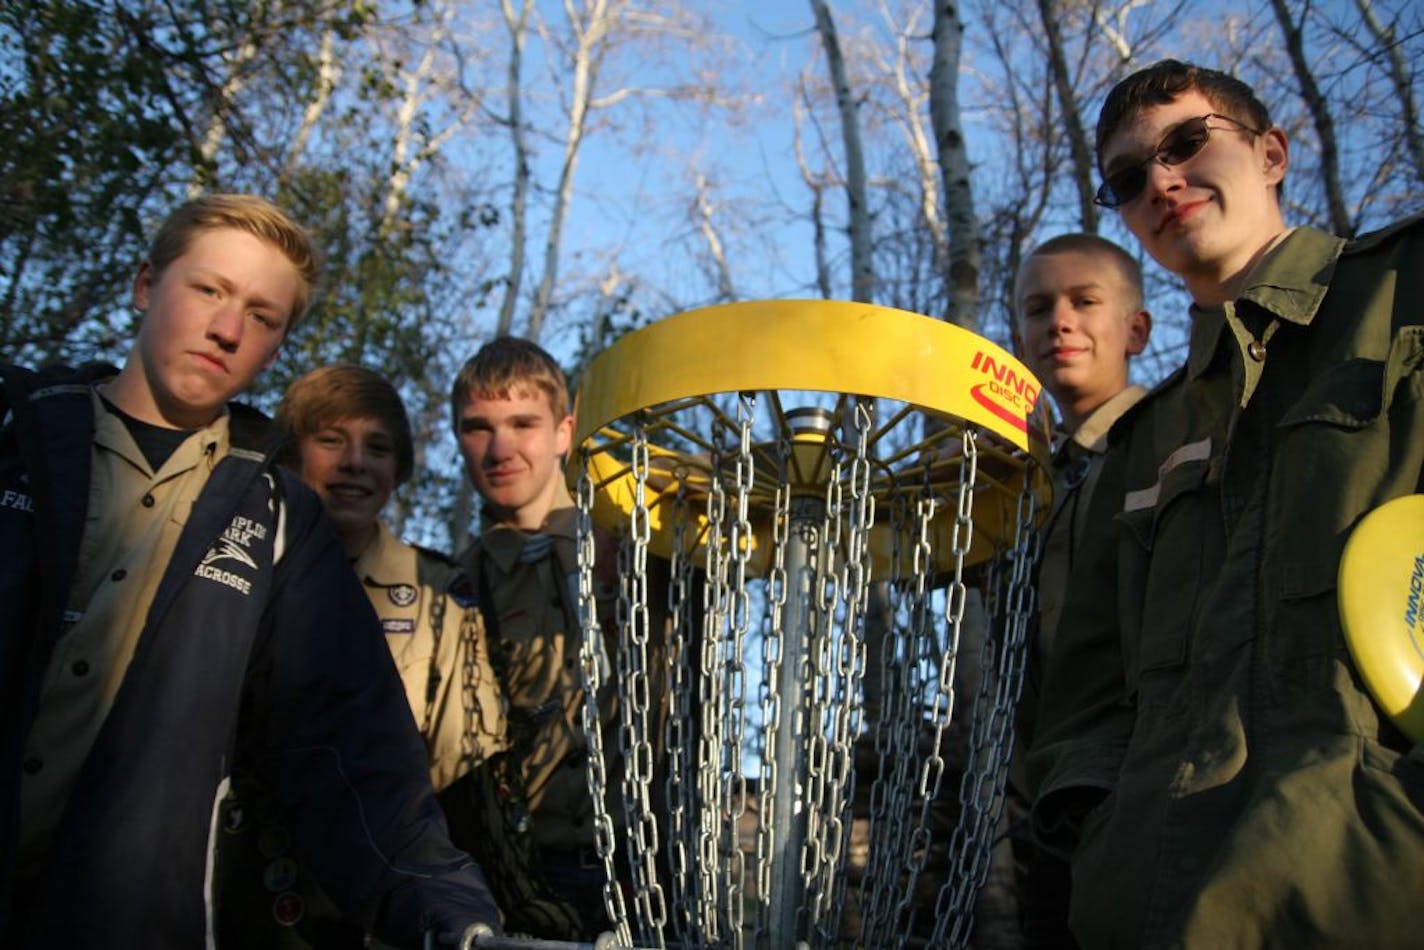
(831, 485)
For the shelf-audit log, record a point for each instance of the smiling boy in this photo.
(510, 407)
(164, 574)
(1208, 758)
(1079, 320)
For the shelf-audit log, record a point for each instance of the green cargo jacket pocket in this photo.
(1164, 526)
(1300, 651)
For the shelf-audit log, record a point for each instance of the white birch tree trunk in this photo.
(859, 225)
(517, 24)
(962, 278)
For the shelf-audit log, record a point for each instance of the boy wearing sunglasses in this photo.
(1207, 756)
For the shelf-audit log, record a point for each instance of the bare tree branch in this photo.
(1340, 220)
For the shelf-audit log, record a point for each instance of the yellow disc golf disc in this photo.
(1381, 594)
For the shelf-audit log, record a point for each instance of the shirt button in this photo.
(80, 668)
(118, 575)
(148, 501)
(33, 764)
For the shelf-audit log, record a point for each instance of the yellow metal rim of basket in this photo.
(818, 346)
(1381, 598)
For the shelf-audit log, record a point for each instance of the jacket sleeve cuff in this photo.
(1068, 794)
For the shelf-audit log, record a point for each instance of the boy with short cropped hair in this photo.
(173, 600)
(1078, 321)
(1208, 757)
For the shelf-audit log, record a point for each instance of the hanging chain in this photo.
(681, 735)
(982, 790)
(741, 543)
(883, 814)
(590, 651)
(635, 688)
(771, 699)
(712, 869)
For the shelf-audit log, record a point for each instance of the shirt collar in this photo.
(212, 440)
(1288, 284)
(1092, 433)
(504, 543)
(385, 560)
(1294, 276)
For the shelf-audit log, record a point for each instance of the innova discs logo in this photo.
(1004, 392)
(1413, 606)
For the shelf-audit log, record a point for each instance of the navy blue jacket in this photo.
(285, 635)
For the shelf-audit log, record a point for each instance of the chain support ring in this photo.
(936, 370)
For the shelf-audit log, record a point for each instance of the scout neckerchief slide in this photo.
(1381, 593)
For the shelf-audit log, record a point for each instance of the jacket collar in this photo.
(1287, 285)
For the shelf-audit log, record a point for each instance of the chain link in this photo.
(681, 734)
(713, 880)
(590, 645)
(771, 699)
(635, 686)
(795, 701)
(740, 546)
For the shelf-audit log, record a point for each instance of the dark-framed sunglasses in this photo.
(1183, 142)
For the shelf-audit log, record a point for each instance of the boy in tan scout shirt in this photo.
(351, 444)
(347, 435)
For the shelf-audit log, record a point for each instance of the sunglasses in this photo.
(1181, 144)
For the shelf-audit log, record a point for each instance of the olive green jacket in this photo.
(528, 588)
(1206, 752)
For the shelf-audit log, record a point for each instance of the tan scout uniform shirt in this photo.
(135, 516)
(440, 648)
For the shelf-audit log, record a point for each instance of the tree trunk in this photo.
(587, 55)
(1078, 149)
(862, 264)
(518, 26)
(964, 252)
